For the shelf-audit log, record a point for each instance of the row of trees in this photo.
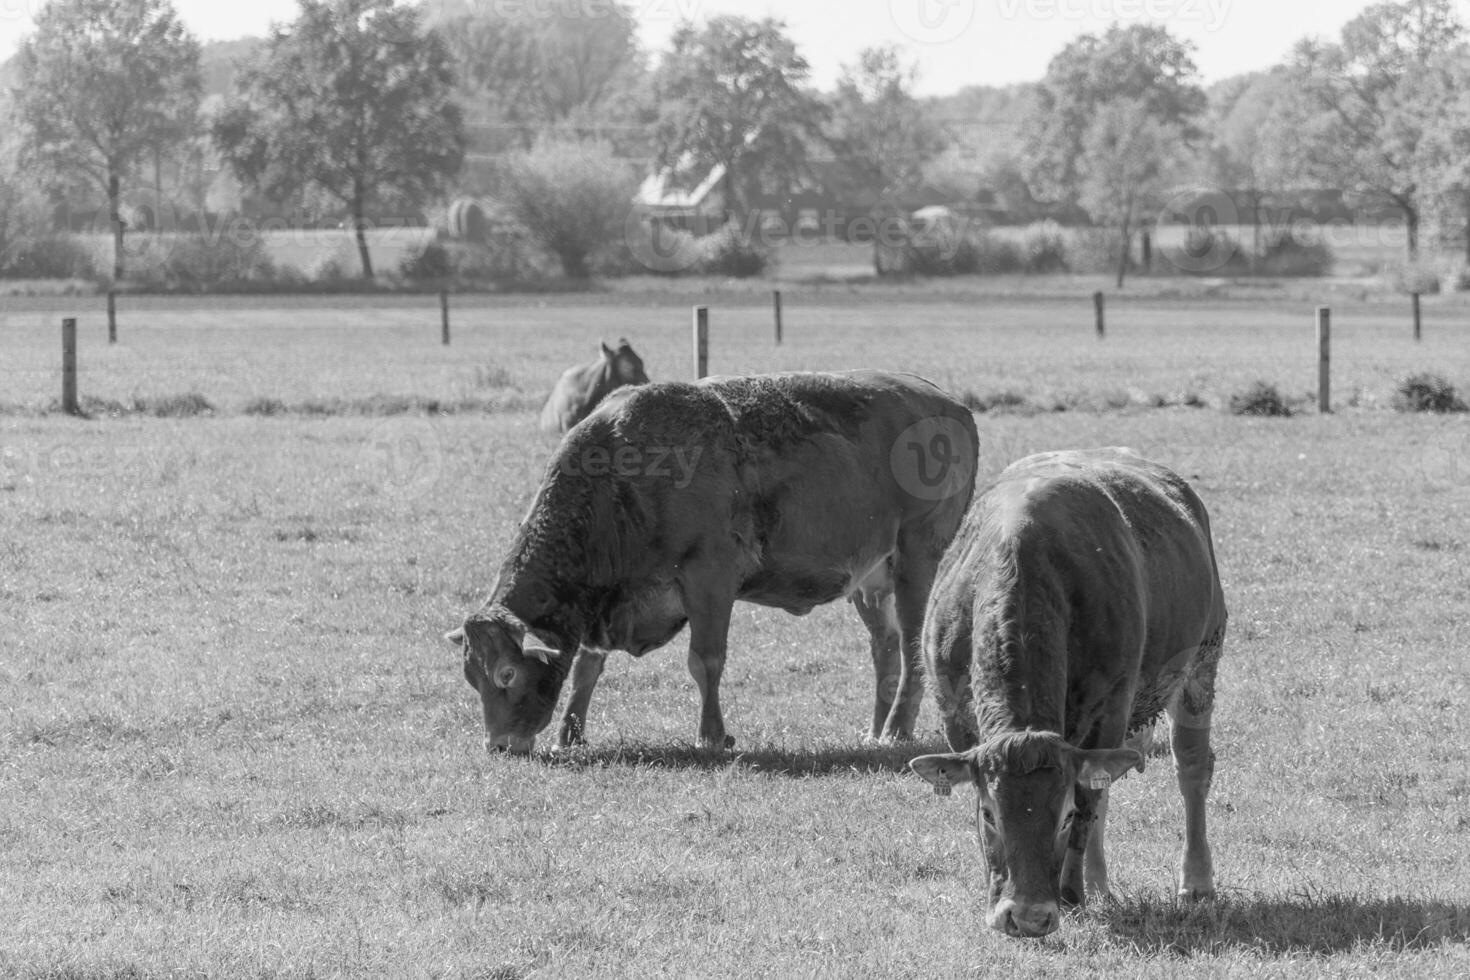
(364, 105)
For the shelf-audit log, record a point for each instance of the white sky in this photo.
(957, 42)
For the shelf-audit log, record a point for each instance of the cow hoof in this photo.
(1193, 895)
(716, 744)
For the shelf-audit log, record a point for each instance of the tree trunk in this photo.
(114, 214)
(359, 228)
(1411, 229)
(574, 265)
(1255, 257)
(1467, 229)
(1127, 247)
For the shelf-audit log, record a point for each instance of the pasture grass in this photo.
(233, 744)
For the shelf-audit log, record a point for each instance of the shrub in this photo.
(431, 262)
(1260, 399)
(1283, 254)
(1205, 251)
(1044, 248)
(1427, 393)
(1414, 277)
(51, 257)
(572, 197)
(1094, 250)
(729, 252)
(197, 263)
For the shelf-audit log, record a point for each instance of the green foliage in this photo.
(574, 198)
(734, 94)
(883, 136)
(529, 70)
(1141, 64)
(201, 263)
(102, 85)
(1427, 392)
(1260, 399)
(431, 262)
(1044, 248)
(51, 257)
(1366, 105)
(730, 252)
(352, 100)
(1286, 254)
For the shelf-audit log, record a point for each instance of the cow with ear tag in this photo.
(1078, 602)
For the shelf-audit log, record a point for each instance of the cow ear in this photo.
(536, 650)
(607, 351)
(945, 771)
(455, 637)
(1099, 767)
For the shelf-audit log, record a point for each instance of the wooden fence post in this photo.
(776, 301)
(444, 315)
(111, 317)
(1416, 316)
(701, 341)
(1097, 304)
(1324, 359)
(69, 403)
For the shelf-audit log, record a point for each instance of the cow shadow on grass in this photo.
(820, 760)
(1304, 924)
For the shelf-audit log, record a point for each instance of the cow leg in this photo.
(586, 669)
(1194, 764)
(885, 646)
(709, 610)
(1095, 862)
(1073, 889)
(913, 575)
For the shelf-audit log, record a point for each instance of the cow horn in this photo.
(538, 651)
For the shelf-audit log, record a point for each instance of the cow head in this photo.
(1025, 805)
(625, 367)
(518, 677)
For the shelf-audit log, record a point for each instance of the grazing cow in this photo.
(1079, 600)
(674, 500)
(581, 389)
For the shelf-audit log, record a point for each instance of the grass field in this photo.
(233, 744)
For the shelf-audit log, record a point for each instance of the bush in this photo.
(967, 254)
(51, 257)
(729, 252)
(1282, 254)
(1044, 248)
(1094, 250)
(1260, 399)
(1415, 277)
(1427, 393)
(1206, 251)
(572, 197)
(429, 263)
(198, 263)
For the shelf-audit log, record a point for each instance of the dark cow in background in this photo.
(581, 389)
(1079, 600)
(674, 500)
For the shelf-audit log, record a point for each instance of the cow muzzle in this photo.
(1025, 921)
(514, 744)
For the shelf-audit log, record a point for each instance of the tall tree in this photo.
(103, 86)
(734, 95)
(534, 70)
(1141, 64)
(1128, 159)
(1363, 124)
(881, 133)
(1442, 163)
(352, 100)
(1252, 149)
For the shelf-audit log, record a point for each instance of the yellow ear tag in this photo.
(942, 786)
(1100, 780)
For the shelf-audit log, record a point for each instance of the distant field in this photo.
(233, 744)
